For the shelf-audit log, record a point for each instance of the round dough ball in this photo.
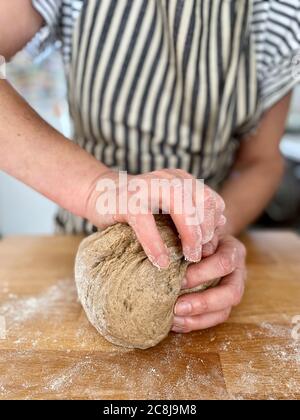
(128, 300)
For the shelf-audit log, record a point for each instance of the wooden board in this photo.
(50, 350)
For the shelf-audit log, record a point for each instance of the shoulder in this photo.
(276, 34)
(53, 11)
(276, 30)
(59, 17)
(49, 9)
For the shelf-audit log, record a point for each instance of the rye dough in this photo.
(128, 300)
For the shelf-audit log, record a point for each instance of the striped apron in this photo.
(162, 84)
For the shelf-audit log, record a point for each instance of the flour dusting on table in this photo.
(19, 310)
(68, 370)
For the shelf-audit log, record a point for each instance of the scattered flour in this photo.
(276, 331)
(288, 353)
(194, 377)
(18, 311)
(248, 381)
(67, 376)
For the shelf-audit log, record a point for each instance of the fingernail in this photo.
(183, 308)
(162, 261)
(193, 255)
(179, 322)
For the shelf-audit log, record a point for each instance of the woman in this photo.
(166, 89)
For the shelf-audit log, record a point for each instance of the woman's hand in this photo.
(194, 236)
(198, 311)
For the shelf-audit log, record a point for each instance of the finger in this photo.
(149, 237)
(191, 238)
(200, 322)
(228, 293)
(212, 214)
(190, 233)
(195, 187)
(210, 248)
(220, 264)
(207, 204)
(222, 221)
(209, 216)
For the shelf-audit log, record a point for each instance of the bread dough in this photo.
(128, 300)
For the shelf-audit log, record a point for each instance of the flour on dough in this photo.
(128, 300)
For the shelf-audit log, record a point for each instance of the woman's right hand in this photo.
(196, 236)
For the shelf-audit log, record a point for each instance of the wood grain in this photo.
(51, 352)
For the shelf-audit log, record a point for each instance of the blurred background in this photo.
(23, 211)
(42, 83)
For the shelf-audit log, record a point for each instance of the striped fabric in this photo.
(160, 83)
(275, 29)
(154, 84)
(60, 17)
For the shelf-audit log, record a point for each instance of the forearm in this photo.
(258, 169)
(248, 191)
(36, 154)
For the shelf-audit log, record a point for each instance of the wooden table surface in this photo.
(49, 350)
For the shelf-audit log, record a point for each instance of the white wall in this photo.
(22, 210)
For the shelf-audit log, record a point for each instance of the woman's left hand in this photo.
(198, 311)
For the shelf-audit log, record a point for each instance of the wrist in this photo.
(93, 192)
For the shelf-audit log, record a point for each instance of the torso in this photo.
(158, 84)
(162, 83)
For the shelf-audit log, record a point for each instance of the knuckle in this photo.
(132, 220)
(227, 262)
(210, 202)
(177, 183)
(161, 173)
(221, 204)
(221, 317)
(218, 201)
(154, 173)
(209, 195)
(202, 304)
(236, 296)
(242, 250)
(182, 172)
(226, 315)
(187, 326)
(207, 235)
(193, 279)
